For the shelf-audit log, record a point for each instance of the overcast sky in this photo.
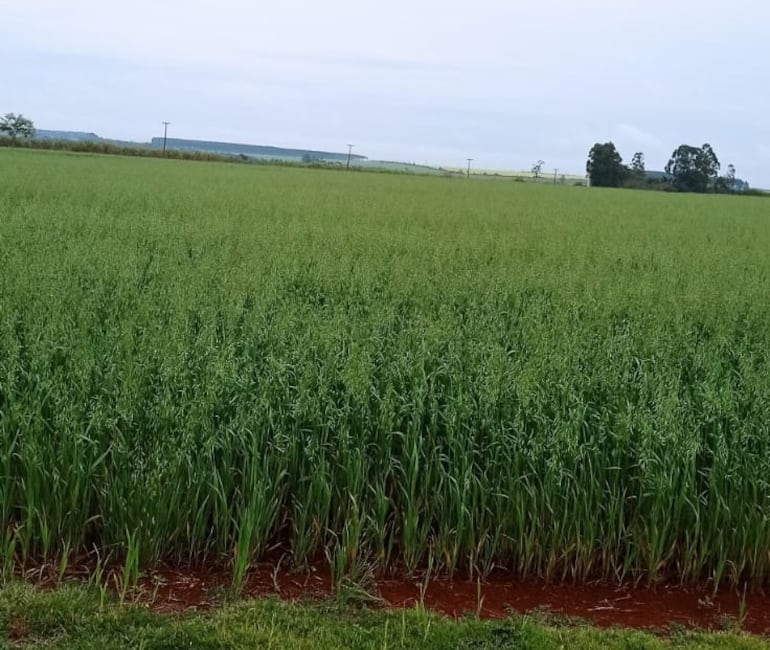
(431, 81)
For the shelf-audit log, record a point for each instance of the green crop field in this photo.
(199, 361)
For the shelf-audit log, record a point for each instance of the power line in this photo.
(350, 149)
(165, 135)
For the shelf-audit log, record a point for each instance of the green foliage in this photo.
(200, 360)
(74, 619)
(16, 126)
(693, 169)
(605, 166)
(728, 183)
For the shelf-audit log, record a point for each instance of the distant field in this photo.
(199, 360)
(546, 176)
(403, 167)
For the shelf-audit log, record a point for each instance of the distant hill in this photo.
(252, 150)
(205, 146)
(78, 136)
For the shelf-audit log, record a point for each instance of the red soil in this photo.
(181, 589)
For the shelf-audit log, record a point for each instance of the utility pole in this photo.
(468, 174)
(555, 171)
(350, 149)
(165, 135)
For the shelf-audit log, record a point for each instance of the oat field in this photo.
(201, 361)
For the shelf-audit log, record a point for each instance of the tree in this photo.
(693, 169)
(16, 126)
(605, 166)
(537, 168)
(726, 184)
(637, 164)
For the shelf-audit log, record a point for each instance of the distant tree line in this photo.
(17, 129)
(89, 146)
(690, 169)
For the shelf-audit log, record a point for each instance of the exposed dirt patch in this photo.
(498, 596)
(176, 589)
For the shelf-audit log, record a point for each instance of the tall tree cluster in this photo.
(605, 166)
(693, 169)
(690, 169)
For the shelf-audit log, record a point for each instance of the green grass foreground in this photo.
(198, 361)
(74, 618)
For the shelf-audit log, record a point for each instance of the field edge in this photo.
(75, 616)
